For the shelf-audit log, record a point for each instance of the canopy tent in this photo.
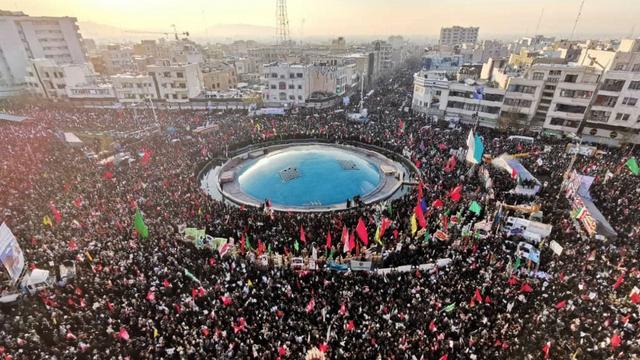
(509, 164)
(71, 139)
(12, 118)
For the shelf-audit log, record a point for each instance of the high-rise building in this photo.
(34, 37)
(458, 35)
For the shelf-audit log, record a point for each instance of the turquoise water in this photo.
(309, 175)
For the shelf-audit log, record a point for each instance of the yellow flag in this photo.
(377, 237)
(414, 224)
(88, 255)
(155, 333)
(46, 220)
(249, 283)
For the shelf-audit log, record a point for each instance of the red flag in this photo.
(56, 214)
(445, 222)
(437, 204)
(384, 226)
(477, 295)
(352, 241)
(242, 243)
(259, 247)
(450, 165)
(526, 288)
(303, 238)
(561, 305)
(395, 234)
(72, 245)
(444, 357)
(351, 325)
(345, 240)
(324, 347)
(420, 216)
(226, 301)
(311, 305)
(456, 193)
(151, 296)
(420, 186)
(165, 283)
(123, 334)
(635, 298)
(146, 156)
(108, 175)
(343, 309)
(512, 280)
(77, 202)
(282, 351)
(616, 340)
(545, 349)
(239, 326)
(432, 326)
(361, 229)
(619, 281)
(514, 173)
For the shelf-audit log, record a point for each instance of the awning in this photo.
(12, 118)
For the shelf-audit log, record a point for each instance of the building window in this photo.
(555, 72)
(166, 74)
(571, 78)
(630, 101)
(622, 117)
(557, 121)
(538, 76)
(634, 85)
(282, 96)
(292, 76)
(619, 67)
(299, 75)
(291, 86)
(273, 87)
(274, 75)
(299, 87)
(299, 97)
(636, 68)
(291, 97)
(282, 85)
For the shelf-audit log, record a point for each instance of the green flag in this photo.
(633, 166)
(517, 264)
(450, 307)
(138, 224)
(475, 207)
(247, 244)
(269, 249)
(427, 236)
(188, 274)
(296, 246)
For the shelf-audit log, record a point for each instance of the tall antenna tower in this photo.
(282, 23)
(539, 21)
(575, 24)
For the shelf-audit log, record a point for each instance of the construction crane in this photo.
(166, 34)
(175, 32)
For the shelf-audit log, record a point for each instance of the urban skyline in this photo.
(252, 18)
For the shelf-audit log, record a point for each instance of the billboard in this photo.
(11, 255)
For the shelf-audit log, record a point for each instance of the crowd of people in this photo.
(159, 297)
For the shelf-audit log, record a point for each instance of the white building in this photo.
(26, 37)
(134, 88)
(434, 94)
(177, 83)
(286, 84)
(458, 35)
(615, 112)
(47, 79)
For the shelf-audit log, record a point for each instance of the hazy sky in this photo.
(352, 17)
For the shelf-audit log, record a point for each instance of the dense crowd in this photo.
(159, 297)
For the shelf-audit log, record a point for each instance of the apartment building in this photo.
(176, 82)
(458, 35)
(219, 76)
(35, 37)
(286, 84)
(47, 79)
(469, 101)
(615, 111)
(115, 59)
(134, 88)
